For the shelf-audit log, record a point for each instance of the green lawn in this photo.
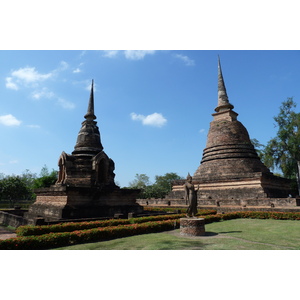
(238, 234)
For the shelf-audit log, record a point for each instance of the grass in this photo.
(238, 234)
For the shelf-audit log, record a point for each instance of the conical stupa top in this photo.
(223, 102)
(90, 112)
(88, 139)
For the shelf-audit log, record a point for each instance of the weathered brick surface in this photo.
(192, 226)
(228, 153)
(230, 168)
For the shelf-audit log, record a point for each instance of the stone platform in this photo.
(225, 205)
(192, 226)
(67, 202)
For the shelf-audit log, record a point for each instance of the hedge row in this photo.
(253, 215)
(262, 215)
(165, 208)
(61, 239)
(182, 209)
(29, 230)
(71, 226)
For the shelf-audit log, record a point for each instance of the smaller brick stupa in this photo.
(231, 172)
(85, 187)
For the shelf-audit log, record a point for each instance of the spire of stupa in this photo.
(90, 112)
(223, 102)
(88, 139)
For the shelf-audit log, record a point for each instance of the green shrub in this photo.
(29, 230)
(201, 212)
(212, 218)
(60, 239)
(74, 226)
(262, 215)
(156, 218)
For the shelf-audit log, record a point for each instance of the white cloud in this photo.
(155, 119)
(202, 131)
(137, 54)
(129, 54)
(9, 120)
(10, 85)
(136, 117)
(44, 93)
(83, 53)
(187, 61)
(29, 75)
(77, 70)
(25, 77)
(110, 53)
(65, 103)
(63, 66)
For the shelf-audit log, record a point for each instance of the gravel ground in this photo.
(6, 234)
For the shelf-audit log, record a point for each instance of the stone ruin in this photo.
(231, 173)
(85, 187)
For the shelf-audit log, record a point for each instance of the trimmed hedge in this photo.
(69, 227)
(61, 239)
(164, 208)
(29, 230)
(182, 209)
(262, 215)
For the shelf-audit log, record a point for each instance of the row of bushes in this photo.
(61, 239)
(29, 230)
(71, 226)
(164, 208)
(182, 209)
(262, 215)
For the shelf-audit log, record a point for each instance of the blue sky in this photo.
(153, 108)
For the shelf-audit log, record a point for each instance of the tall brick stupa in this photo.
(230, 168)
(85, 187)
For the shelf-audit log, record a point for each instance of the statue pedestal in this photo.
(192, 226)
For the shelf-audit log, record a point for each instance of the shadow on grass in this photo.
(210, 233)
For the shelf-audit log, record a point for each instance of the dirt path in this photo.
(6, 234)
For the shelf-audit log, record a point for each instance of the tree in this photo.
(260, 148)
(45, 178)
(28, 178)
(159, 189)
(283, 151)
(163, 184)
(141, 181)
(14, 188)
